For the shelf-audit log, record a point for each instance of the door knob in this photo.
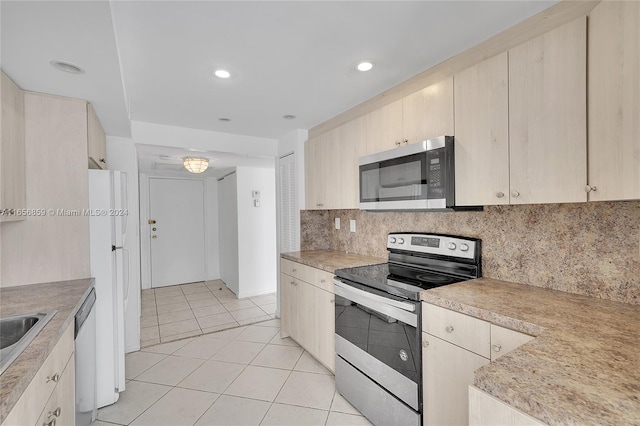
(154, 229)
(154, 237)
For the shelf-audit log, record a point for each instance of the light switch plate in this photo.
(337, 223)
(352, 225)
(256, 202)
(255, 194)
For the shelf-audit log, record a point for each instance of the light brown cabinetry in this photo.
(454, 346)
(52, 390)
(12, 150)
(425, 114)
(352, 145)
(547, 117)
(486, 410)
(96, 141)
(614, 109)
(322, 172)
(482, 133)
(307, 309)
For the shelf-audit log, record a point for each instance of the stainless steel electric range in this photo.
(378, 322)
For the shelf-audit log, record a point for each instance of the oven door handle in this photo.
(401, 311)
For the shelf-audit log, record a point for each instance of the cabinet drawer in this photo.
(61, 404)
(462, 330)
(504, 340)
(286, 266)
(323, 280)
(30, 405)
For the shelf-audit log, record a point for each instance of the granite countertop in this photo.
(583, 367)
(330, 260)
(64, 296)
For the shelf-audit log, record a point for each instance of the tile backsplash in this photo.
(584, 248)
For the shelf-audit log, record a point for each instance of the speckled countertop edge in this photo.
(582, 368)
(64, 296)
(330, 260)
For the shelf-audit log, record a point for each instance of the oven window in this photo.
(394, 343)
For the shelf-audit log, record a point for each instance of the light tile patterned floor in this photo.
(175, 312)
(241, 376)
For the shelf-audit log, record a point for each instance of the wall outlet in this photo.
(337, 223)
(352, 225)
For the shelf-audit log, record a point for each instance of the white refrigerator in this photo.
(109, 264)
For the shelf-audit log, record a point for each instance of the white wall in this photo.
(211, 229)
(257, 239)
(121, 155)
(228, 224)
(183, 137)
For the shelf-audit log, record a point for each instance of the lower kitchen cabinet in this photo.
(307, 310)
(454, 346)
(447, 371)
(50, 397)
(486, 410)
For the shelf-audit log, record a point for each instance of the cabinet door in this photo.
(547, 117)
(428, 113)
(504, 340)
(287, 305)
(447, 373)
(305, 314)
(12, 149)
(312, 174)
(324, 343)
(331, 170)
(352, 145)
(384, 128)
(482, 133)
(486, 410)
(96, 139)
(614, 110)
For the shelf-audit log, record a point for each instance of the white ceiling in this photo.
(294, 57)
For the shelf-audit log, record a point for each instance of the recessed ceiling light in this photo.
(289, 117)
(364, 66)
(222, 74)
(67, 67)
(225, 119)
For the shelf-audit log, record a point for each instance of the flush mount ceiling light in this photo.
(195, 164)
(289, 117)
(67, 67)
(222, 73)
(364, 66)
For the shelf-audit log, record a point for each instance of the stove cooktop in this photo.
(398, 280)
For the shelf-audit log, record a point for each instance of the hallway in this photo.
(176, 312)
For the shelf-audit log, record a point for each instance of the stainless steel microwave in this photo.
(420, 176)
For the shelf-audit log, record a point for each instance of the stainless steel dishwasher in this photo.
(85, 343)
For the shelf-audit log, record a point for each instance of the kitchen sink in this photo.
(16, 332)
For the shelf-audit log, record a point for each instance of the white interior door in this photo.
(177, 236)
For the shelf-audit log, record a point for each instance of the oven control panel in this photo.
(433, 244)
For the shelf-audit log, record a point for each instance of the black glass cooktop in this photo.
(399, 280)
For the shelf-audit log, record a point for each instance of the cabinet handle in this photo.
(332, 301)
(51, 423)
(405, 141)
(425, 343)
(497, 347)
(102, 160)
(319, 205)
(294, 270)
(54, 413)
(53, 378)
(293, 283)
(515, 194)
(449, 329)
(322, 280)
(589, 188)
(500, 194)
(398, 143)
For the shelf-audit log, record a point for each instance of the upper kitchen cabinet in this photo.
(425, 114)
(482, 133)
(614, 110)
(383, 128)
(352, 145)
(323, 172)
(97, 144)
(547, 116)
(12, 150)
(428, 113)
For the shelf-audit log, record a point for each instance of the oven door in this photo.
(380, 336)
